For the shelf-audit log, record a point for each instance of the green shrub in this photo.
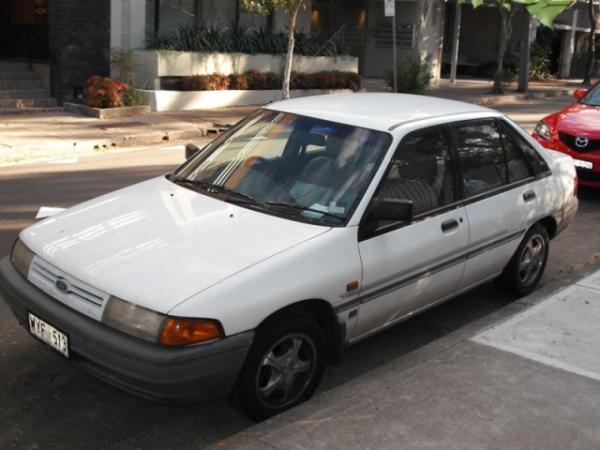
(539, 67)
(247, 40)
(414, 76)
(133, 97)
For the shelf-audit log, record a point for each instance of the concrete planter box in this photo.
(150, 65)
(106, 113)
(188, 100)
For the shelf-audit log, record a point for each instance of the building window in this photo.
(163, 16)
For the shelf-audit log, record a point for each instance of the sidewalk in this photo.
(477, 91)
(62, 135)
(529, 382)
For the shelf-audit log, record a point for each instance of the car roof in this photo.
(377, 111)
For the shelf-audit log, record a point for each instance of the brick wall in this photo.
(79, 36)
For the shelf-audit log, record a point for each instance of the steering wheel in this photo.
(274, 172)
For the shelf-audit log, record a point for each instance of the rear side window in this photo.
(481, 155)
(534, 159)
(517, 167)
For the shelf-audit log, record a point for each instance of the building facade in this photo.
(75, 38)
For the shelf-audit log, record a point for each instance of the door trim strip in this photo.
(365, 298)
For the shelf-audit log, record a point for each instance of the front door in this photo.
(409, 266)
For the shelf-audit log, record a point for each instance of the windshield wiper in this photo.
(207, 186)
(301, 209)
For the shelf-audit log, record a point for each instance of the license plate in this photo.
(583, 164)
(49, 335)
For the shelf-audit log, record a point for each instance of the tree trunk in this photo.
(589, 65)
(503, 41)
(287, 70)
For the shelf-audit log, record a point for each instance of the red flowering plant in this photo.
(104, 92)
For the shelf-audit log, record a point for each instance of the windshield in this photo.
(592, 98)
(299, 167)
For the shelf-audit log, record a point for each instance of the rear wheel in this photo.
(525, 269)
(283, 367)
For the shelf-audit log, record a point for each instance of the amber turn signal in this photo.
(181, 331)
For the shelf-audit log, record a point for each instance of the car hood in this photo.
(578, 119)
(156, 244)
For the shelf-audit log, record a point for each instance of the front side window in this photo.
(299, 167)
(421, 172)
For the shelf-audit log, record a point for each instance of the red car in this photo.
(576, 131)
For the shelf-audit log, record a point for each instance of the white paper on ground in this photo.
(48, 211)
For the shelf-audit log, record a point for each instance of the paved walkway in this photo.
(59, 134)
(478, 91)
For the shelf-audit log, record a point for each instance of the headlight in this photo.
(158, 328)
(21, 257)
(132, 319)
(543, 130)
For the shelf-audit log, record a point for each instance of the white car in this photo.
(308, 226)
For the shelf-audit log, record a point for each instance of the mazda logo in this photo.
(582, 141)
(62, 285)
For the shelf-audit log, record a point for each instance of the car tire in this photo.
(526, 267)
(283, 367)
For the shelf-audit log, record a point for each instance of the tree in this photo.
(545, 11)
(589, 64)
(292, 8)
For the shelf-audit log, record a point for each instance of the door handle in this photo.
(449, 225)
(529, 196)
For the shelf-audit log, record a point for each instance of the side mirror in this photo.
(397, 210)
(579, 93)
(191, 150)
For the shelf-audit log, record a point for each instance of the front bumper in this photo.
(170, 374)
(586, 177)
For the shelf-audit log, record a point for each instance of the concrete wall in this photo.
(79, 37)
(128, 24)
(377, 58)
(151, 64)
(184, 101)
(430, 34)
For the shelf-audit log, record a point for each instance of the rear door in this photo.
(409, 266)
(500, 196)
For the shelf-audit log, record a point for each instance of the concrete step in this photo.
(23, 93)
(21, 84)
(27, 103)
(32, 110)
(18, 75)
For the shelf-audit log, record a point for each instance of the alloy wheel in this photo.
(532, 259)
(286, 370)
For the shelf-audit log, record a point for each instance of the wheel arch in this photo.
(319, 310)
(550, 224)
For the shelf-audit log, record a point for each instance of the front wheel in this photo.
(283, 368)
(525, 269)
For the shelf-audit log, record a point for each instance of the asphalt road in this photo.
(49, 404)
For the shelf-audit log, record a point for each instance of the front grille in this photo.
(569, 140)
(66, 289)
(583, 174)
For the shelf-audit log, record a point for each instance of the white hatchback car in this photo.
(308, 226)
